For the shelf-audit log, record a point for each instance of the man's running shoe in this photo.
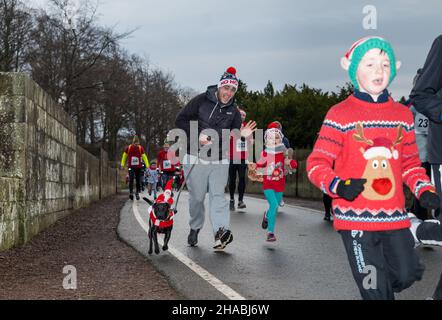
(222, 239)
(232, 205)
(192, 239)
(131, 196)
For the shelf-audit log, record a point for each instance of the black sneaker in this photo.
(241, 205)
(232, 205)
(131, 196)
(327, 217)
(264, 223)
(192, 239)
(137, 196)
(222, 239)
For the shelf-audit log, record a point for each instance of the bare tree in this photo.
(66, 52)
(15, 28)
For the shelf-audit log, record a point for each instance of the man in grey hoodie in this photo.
(215, 110)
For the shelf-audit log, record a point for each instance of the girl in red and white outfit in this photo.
(273, 161)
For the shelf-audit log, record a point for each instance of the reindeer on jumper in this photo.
(379, 153)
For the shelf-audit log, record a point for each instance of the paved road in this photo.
(307, 262)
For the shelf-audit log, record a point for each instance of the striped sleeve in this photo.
(413, 174)
(327, 148)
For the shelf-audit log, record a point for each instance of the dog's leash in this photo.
(181, 188)
(179, 191)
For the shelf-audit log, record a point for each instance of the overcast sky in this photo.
(285, 41)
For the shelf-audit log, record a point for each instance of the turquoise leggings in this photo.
(273, 198)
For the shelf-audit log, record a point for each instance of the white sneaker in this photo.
(415, 222)
(282, 203)
(435, 237)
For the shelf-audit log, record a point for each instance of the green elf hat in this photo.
(360, 48)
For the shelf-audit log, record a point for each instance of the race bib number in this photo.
(135, 161)
(241, 146)
(167, 164)
(421, 123)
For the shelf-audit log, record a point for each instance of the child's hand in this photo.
(252, 166)
(293, 164)
(349, 189)
(430, 200)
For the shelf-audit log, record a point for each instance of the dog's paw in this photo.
(150, 252)
(157, 251)
(165, 248)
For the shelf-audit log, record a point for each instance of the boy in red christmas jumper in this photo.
(371, 141)
(273, 161)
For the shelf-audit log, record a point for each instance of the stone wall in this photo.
(44, 175)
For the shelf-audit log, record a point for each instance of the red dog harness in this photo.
(161, 223)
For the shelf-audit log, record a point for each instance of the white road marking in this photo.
(203, 273)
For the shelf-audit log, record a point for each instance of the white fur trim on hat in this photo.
(374, 152)
(275, 131)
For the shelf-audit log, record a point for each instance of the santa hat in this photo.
(382, 147)
(274, 124)
(229, 78)
(360, 48)
(167, 195)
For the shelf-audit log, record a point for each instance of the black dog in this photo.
(160, 221)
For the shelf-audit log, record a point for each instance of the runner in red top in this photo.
(135, 154)
(167, 162)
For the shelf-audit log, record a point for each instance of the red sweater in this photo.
(167, 161)
(238, 149)
(363, 140)
(274, 170)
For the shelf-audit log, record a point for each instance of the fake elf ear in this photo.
(345, 63)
